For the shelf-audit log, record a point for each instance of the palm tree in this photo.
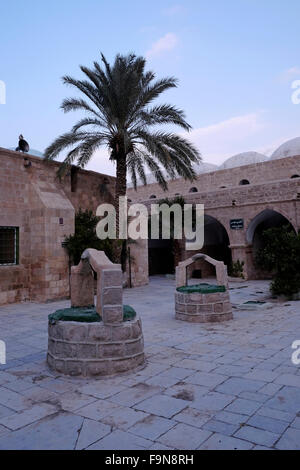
(120, 115)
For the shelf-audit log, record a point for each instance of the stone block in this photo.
(122, 332)
(112, 314)
(134, 347)
(112, 296)
(113, 350)
(86, 351)
(136, 328)
(74, 368)
(112, 278)
(99, 332)
(60, 366)
(74, 332)
(218, 307)
(65, 350)
(98, 368)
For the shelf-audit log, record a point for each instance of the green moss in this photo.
(80, 314)
(86, 314)
(128, 313)
(202, 288)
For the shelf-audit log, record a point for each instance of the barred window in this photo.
(9, 245)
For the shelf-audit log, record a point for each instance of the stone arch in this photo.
(216, 245)
(193, 190)
(269, 217)
(152, 196)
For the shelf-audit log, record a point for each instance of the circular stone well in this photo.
(92, 348)
(202, 303)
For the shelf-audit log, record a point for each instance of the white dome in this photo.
(288, 149)
(205, 167)
(245, 158)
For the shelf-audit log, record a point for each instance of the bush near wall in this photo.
(281, 256)
(85, 237)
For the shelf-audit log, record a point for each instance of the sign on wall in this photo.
(237, 224)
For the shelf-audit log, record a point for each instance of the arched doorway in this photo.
(160, 257)
(268, 218)
(216, 245)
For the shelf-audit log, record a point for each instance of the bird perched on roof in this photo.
(23, 145)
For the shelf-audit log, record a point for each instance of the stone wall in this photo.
(33, 199)
(271, 187)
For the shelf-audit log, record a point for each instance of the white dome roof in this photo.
(288, 149)
(205, 167)
(245, 158)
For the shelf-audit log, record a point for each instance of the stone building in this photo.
(37, 211)
(248, 193)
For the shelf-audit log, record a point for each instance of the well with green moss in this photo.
(202, 303)
(81, 344)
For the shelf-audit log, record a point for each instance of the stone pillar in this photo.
(109, 295)
(82, 285)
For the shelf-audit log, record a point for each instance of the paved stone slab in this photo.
(207, 379)
(183, 436)
(101, 389)
(133, 395)
(221, 442)
(120, 440)
(162, 405)
(237, 385)
(123, 417)
(152, 427)
(193, 417)
(289, 379)
(221, 427)
(19, 420)
(258, 436)
(287, 399)
(74, 400)
(55, 433)
(91, 432)
(269, 424)
(290, 440)
(231, 418)
(212, 401)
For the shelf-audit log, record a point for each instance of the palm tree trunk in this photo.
(119, 191)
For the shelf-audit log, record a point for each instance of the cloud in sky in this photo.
(290, 74)
(164, 44)
(173, 10)
(219, 141)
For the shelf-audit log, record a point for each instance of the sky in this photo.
(235, 61)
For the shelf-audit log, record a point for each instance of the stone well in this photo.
(211, 303)
(102, 347)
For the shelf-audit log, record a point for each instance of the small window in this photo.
(9, 245)
(152, 196)
(295, 176)
(243, 182)
(222, 187)
(193, 190)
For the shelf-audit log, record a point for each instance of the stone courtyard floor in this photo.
(205, 386)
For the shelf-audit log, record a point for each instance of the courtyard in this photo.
(228, 385)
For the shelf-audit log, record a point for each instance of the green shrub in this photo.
(237, 269)
(280, 255)
(85, 237)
